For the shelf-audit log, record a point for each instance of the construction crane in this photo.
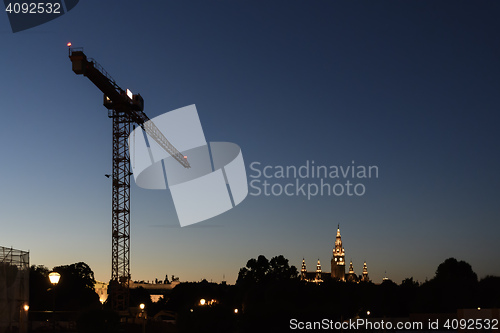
(124, 108)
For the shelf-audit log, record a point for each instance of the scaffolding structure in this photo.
(14, 290)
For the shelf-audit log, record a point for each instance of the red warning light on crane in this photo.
(69, 44)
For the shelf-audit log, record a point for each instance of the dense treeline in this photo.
(455, 286)
(267, 294)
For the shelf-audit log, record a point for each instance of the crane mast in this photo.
(124, 108)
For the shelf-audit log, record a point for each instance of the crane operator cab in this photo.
(136, 101)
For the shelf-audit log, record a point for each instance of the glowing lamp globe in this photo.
(54, 278)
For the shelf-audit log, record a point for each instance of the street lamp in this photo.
(54, 279)
(23, 318)
(142, 306)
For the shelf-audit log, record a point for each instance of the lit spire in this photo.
(365, 277)
(318, 272)
(338, 250)
(351, 269)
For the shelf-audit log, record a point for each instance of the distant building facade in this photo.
(337, 265)
(155, 290)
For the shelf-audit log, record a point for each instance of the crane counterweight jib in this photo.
(79, 61)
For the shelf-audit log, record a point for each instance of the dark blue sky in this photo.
(409, 86)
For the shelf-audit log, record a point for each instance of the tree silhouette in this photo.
(261, 270)
(409, 283)
(280, 270)
(453, 287)
(75, 290)
(39, 284)
(455, 272)
(255, 271)
(489, 292)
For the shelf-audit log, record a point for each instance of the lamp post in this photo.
(142, 306)
(54, 280)
(23, 318)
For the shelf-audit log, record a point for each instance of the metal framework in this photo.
(14, 289)
(120, 262)
(124, 108)
(13, 257)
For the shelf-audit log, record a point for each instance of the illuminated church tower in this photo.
(351, 276)
(303, 271)
(351, 269)
(365, 277)
(318, 272)
(338, 260)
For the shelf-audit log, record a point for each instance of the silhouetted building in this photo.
(155, 290)
(337, 267)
